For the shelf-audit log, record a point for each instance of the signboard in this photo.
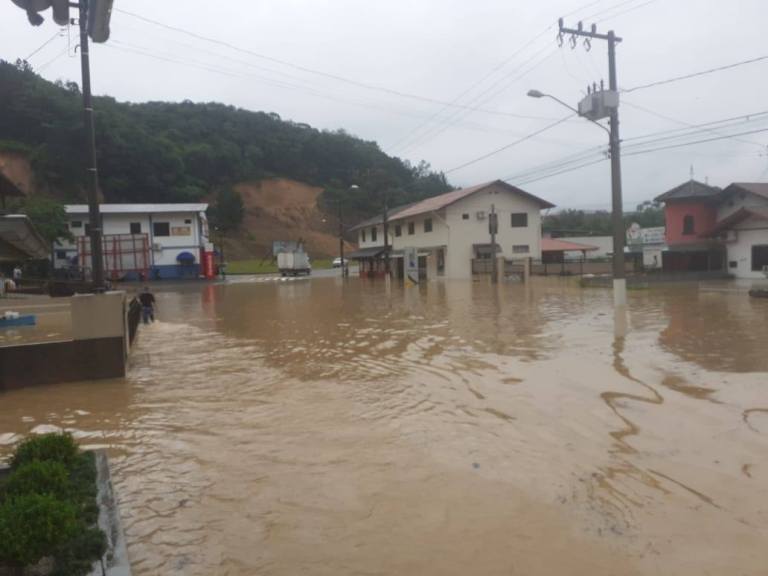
(279, 246)
(411, 265)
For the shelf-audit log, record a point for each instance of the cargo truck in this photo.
(293, 263)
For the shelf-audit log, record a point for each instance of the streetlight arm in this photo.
(537, 94)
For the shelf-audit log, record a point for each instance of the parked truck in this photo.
(294, 263)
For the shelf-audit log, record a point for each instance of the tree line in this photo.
(182, 152)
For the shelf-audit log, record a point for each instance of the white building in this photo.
(150, 240)
(451, 231)
(742, 225)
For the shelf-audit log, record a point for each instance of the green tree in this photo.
(227, 211)
(48, 217)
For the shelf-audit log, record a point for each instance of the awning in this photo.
(486, 247)
(185, 258)
(363, 253)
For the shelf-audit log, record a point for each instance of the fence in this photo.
(579, 268)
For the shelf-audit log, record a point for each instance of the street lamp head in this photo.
(354, 187)
(536, 94)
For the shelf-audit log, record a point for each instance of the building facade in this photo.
(152, 241)
(451, 231)
(713, 229)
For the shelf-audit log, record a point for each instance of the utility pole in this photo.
(97, 257)
(386, 236)
(341, 244)
(493, 228)
(617, 212)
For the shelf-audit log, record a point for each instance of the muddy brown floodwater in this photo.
(321, 427)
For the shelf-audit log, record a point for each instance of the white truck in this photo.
(294, 263)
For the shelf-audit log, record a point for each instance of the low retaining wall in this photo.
(98, 349)
(68, 361)
(638, 281)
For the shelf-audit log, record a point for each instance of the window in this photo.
(161, 229)
(76, 224)
(374, 234)
(362, 235)
(689, 225)
(411, 228)
(465, 216)
(428, 225)
(519, 219)
(135, 227)
(759, 258)
(188, 221)
(733, 264)
(520, 249)
(61, 255)
(398, 230)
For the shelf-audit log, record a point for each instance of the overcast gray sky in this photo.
(483, 55)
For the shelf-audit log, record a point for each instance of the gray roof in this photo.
(757, 188)
(690, 189)
(137, 208)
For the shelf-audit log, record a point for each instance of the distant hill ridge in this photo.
(182, 152)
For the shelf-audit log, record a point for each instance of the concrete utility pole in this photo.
(617, 213)
(386, 236)
(493, 228)
(97, 257)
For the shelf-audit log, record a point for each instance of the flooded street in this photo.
(329, 427)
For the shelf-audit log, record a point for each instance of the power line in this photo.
(52, 60)
(322, 73)
(695, 74)
(713, 139)
(43, 45)
(510, 145)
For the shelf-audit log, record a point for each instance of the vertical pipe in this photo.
(97, 257)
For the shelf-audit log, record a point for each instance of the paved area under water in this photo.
(329, 427)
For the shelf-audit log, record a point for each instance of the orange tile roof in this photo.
(557, 245)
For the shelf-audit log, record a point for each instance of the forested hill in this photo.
(168, 152)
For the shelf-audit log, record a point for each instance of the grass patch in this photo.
(48, 509)
(267, 267)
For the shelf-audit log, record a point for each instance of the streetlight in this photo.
(617, 216)
(344, 269)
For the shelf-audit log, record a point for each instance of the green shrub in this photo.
(33, 526)
(57, 447)
(39, 477)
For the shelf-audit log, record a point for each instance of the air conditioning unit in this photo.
(731, 236)
(480, 215)
(157, 247)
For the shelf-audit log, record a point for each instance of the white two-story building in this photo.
(451, 230)
(152, 241)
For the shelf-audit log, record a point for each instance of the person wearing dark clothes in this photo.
(147, 300)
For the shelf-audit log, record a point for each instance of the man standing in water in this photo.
(147, 300)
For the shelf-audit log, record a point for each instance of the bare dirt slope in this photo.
(15, 167)
(283, 209)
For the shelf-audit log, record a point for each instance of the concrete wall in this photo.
(704, 216)
(751, 232)
(98, 350)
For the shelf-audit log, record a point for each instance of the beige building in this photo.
(451, 231)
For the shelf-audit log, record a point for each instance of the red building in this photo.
(691, 212)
